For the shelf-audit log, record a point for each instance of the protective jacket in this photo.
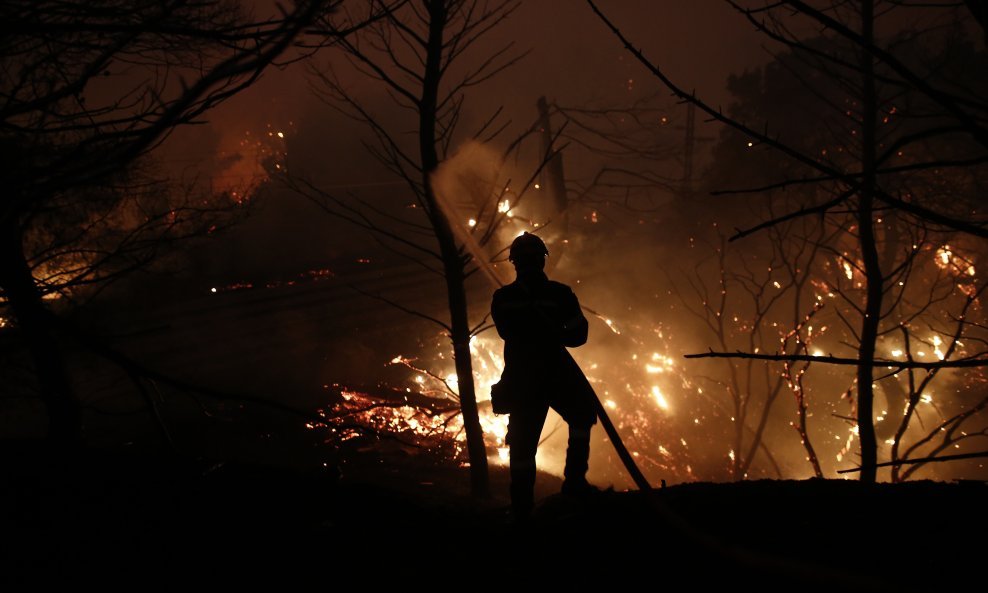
(538, 319)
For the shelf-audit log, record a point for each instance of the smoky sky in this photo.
(571, 59)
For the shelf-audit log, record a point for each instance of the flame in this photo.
(948, 258)
(621, 388)
(936, 347)
(660, 398)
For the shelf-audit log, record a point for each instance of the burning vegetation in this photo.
(264, 322)
(831, 305)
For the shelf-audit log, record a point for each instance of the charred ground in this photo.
(384, 517)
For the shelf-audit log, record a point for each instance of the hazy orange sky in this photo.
(573, 59)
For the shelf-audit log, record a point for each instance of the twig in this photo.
(920, 460)
(963, 363)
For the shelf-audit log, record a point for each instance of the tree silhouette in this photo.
(86, 92)
(874, 172)
(419, 55)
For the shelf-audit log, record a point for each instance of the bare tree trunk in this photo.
(17, 282)
(759, 432)
(869, 253)
(914, 395)
(734, 387)
(453, 261)
(480, 484)
(555, 178)
(802, 429)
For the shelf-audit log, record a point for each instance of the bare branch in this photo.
(895, 364)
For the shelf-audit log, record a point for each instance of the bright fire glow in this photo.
(660, 398)
(947, 258)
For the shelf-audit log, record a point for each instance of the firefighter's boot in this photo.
(577, 462)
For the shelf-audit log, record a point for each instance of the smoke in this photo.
(466, 185)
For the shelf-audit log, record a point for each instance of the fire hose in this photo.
(626, 458)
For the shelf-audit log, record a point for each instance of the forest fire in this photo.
(676, 429)
(252, 252)
(683, 421)
(634, 387)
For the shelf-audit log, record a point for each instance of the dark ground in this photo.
(145, 519)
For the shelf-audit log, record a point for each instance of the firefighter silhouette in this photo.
(538, 319)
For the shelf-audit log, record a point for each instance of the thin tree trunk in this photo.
(17, 282)
(453, 260)
(476, 448)
(869, 253)
(759, 432)
(801, 428)
(734, 387)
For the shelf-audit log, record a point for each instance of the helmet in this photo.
(527, 244)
